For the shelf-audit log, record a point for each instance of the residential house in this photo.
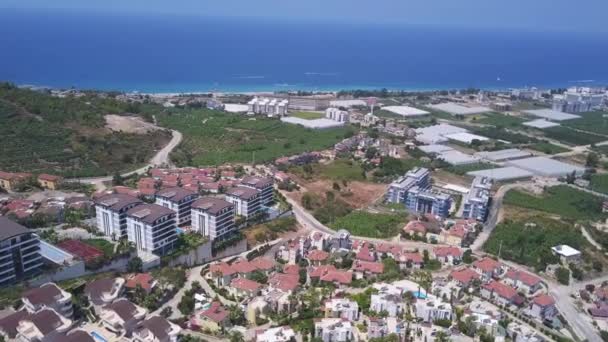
(44, 325)
(157, 329)
(500, 293)
(451, 255)
(334, 330)
(263, 264)
(342, 308)
(523, 281)
(392, 304)
(278, 334)
(464, 277)
(243, 287)
(144, 280)
(317, 257)
(366, 269)
(214, 319)
(487, 268)
(179, 200)
(284, 282)
(19, 252)
(543, 307)
(263, 185)
(49, 296)
(567, 254)
(341, 241)
(213, 217)
(9, 181)
(104, 291)
(318, 240)
(111, 213)
(152, 228)
(122, 317)
(431, 309)
(246, 200)
(10, 322)
(222, 273)
(49, 182)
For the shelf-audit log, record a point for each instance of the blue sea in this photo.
(150, 53)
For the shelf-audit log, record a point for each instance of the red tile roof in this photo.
(216, 312)
(291, 269)
(447, 251)
(336, 276)
(316, 272)
(543, 300)
(317, 255)
(222, 268)
(524, 277)
(262, 264)
(49, 178)
(415, 227)
(465, 275)
(245, 284)
(284, 282)
(365, 254)
(501, 290)
(486, 264)
(145, 280)
(366, 266)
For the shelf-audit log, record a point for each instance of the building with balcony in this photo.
(44, 325)
(152, 228)
(104, 291)
(179, 200)
(342, 308)
(432, 309)
(212, 217)
(49, 296)
(334, 330)
(397, 191)
(246, 200)
(111, 213)
(476, 202)
(19, 252)
(263, 185)
(278, 334)
(122, 317)
(157, 329)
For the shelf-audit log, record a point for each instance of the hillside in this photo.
(67, 136)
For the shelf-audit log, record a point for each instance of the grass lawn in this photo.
(463, 169)
(599, 183)
(308, 115)
(215, 138)
(531, 244)
(342, 169)
(560, 200)
(361, 223)
(500, 120)
(596, 122)
(569, 136)
(547, 148)
(104, 245)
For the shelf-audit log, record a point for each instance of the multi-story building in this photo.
(432, 309)
(122, 317)
(425, 201)
(263, 185)
(155, 329)
(476, 202)
(397, 191)
(278, 334)
(392, 304)
(111, 213)
(44, 325)
(337, 115)
(246, 200)
(9, 181)
(579, 100)
(50, 296)
(212, 217)
(19, 252)
(50, 182)
(266, 106)
(179, 200)
(152, 228)
(334, 330)
(342, 308)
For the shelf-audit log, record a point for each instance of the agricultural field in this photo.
(342, 169)
(547, 148)
(308, 115)
(595, 122)
(572, 137)
(599, 183)
(361, 223)
(500, 120)
(215, 138)
(529, 242)
(561, 200)
(67, 136)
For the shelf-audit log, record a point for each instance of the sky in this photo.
(537, 15)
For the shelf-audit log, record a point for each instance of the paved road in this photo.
(161, 158)
(193, 275)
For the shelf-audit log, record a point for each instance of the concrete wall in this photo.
(203, 255)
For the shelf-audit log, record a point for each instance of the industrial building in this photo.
(552, 115)
(546, 167)
(457, 109)
(476, 202)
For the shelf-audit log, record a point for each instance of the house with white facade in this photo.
(246, 200)
(334, 330)
(122, 317)
(44, 325)
(104, 291)
(342, 308)
(179, 200)
(49, 296)
(432, 308)
(278, 334)
(212, 217)
(111, 214)
(392, 304)
(152, 228)
(157, 329)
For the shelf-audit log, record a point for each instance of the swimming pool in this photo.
(98, 337)
(419, 295)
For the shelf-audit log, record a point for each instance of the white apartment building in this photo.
(111, 213)
(342, 308)
(19, 252)
(432, 309)
(122, 317)
(263, 185)
(579, 100)
(44, 325)
(212, 217)
(337, 115)
(278, 334)
(246, 200)
(157, 328)
(334, 330)
(179, 200)
(267, 106)
(477, 200)
(152, 228)
(49, 296)
(392, 304)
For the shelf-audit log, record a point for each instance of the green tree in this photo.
(593, 159)
(563, 275)
(135, 265)
(467, 256)
(236, 336)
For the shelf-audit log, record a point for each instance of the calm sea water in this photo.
(180, 54)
